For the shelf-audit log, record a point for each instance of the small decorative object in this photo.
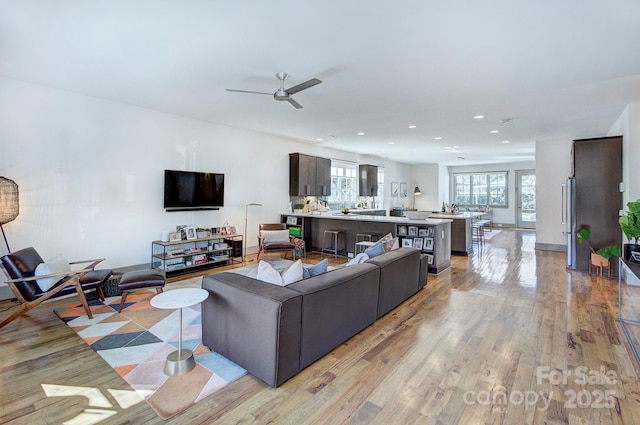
(407, 242)
(423, 231)
(231, 230)
(191, 233)
(600, 258)
(175, 237)
(292, 221)
(429, 258)
(428, 243)
(630, 225)
(402, 230)
(413, 231)
(417, 243)
(345, 211)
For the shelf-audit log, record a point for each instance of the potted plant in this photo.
(600, 257)
(630, 225)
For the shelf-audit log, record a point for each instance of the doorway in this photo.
(526, 198)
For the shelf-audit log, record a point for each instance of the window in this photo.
(344, 182)
(480, 189)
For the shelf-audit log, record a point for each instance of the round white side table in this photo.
(181, 361)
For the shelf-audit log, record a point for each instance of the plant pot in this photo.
(628, 249)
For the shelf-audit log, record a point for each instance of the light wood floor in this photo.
(476, 346)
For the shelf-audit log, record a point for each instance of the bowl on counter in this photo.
(417, 215)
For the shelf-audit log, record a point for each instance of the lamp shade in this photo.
(416, 191)
(9, 205)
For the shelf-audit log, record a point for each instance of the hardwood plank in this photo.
(488, 324)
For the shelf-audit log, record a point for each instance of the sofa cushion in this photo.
(360, 258)
(267, 273)
(319, 268)
(375, 250)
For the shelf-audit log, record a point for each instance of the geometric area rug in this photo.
(136, 342)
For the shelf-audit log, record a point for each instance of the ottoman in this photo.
(140, 279)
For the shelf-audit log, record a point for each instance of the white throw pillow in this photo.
(275, 235)
(267, 273)
(360, 258)
(56, 264)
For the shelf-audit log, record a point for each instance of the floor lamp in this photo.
(416, 192)
(9, 205)
(246, 215)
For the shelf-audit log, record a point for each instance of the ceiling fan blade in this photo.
(302, 86)
(247, 91)
(294, 103)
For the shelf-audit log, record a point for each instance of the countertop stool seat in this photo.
(140, 279)
(332, 244)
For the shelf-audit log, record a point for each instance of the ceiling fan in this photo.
(285, 94)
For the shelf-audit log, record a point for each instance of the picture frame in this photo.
(292, 221)
(191, 233)
(407, 243)
(175, 237)
(413, 231)
(395, 189)
(402, 230)
(423, 231)
(429, 259)
(232, 230)
(417, 243)
(403, 190)
(428, 243)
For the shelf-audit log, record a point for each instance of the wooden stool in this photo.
(140, 279)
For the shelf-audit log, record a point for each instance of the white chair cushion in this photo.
(55, 265)
(275, 235)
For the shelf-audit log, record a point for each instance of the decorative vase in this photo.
(598, 260)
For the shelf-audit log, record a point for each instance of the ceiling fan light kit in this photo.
(283, 94)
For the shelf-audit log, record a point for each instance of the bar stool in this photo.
(364, 241)
(477, 233)
(332, 247)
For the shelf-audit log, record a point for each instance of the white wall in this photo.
(499, 215)
(90, 173)
(427, 178)
(553, 165)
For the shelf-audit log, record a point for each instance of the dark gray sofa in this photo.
(274, 332)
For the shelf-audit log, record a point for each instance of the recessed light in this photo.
(438, 137)
(478, 117)
(391, 143)
(412, 126)
(319, 139)
(361, 134)
(456, 147)
(494, 131)
(506, 141)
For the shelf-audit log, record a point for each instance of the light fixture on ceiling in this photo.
(438, 138)
(391, 143)
(412, 126)
(478, 117)
(9, 204)
(361, 133)
(506, 141)
(319, 139)
(494, 131)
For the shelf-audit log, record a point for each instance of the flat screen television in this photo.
(191, 190)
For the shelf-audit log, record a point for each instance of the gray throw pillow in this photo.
(315, 270)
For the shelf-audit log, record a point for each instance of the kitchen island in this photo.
(432, 236)
(461, 235)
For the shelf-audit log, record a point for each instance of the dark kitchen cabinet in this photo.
(367, 180)
(309, 175)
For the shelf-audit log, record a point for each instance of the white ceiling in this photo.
(561, 69)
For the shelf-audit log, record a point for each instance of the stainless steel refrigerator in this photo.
(592, 199)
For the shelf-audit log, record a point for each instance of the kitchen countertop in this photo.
(470, 214)
(377, 218)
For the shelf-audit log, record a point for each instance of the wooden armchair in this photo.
(272, 239)
(21, 266)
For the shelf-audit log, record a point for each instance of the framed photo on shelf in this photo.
(407, 242)
(417, 243)
(291, 220)
(402, 230)
(191, 233)
(175, 237)
(429, 258)
(395, 189)
(423, 231)
(413, 231)
(403, 190)
(428, 243)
